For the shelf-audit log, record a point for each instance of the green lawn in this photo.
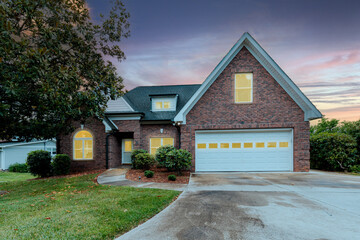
(12, 176)
(75, 208)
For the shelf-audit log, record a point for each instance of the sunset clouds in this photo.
(317, 43)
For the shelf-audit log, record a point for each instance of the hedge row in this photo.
(39, 163)
(335, 146)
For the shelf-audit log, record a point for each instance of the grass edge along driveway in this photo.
(75, 208)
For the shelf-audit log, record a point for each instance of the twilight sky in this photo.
(316, 42)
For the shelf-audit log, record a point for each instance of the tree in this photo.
(52, 67)
(325, 125)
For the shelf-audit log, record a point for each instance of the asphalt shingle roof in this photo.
(139, 99)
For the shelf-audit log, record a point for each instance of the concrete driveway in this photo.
(314, 205)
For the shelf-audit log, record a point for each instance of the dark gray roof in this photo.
(139, 99)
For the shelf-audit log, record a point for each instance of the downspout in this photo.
(177, 125)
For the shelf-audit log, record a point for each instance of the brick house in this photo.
(248, 115)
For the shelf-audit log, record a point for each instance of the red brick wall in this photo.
(114, 151)
(65, 145)
(272, 107)
(150, 131)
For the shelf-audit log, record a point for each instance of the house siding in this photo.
(272, 107)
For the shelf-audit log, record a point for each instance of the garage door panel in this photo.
(261, 157)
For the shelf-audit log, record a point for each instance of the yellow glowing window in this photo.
(248, 145)
(83, 145)
(243, 87)
(271, 144)
(155, 143)
(213, 145)
(260, 145)
(236, 145)
(201, 145)
(128, 146)
(166, 105)
(168, 141)
(158, 105)
(283, 144)
(224, 145)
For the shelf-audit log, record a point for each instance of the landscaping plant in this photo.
(18, 167)
(173, 159)
(332, 151)
(136, 152)
(171, 177)
(149, 174)
(61, 164)
(161, 154)
(39, 163)
(355, 169)
(143, 161)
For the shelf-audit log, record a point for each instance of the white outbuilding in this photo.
(16, 152)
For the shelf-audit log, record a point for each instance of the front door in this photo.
(127, 146)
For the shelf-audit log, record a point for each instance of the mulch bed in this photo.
(74, 175)
(160, 176)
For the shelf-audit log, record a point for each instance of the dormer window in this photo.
(164, 103)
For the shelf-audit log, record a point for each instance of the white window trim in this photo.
(252, 89)
(83, 146)
(172, 101)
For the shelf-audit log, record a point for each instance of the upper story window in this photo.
(163, 103)
(243, 87)
(83, 145)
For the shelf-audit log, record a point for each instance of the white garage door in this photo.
(244, 150)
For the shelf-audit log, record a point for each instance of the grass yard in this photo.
(13, 176)
(75, 208)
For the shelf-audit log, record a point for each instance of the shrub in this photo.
(355, 168)
(171, 177)
(149, 174)
(134, 153)
(39, 163)
(61, 164)
(332, 151)
(178, 160)
(18, 167)
(161, 154)
(352, 129)
(173, 159)
(143, 161)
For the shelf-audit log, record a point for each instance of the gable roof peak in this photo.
(246, 40)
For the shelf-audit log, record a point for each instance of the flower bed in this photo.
(160, 176)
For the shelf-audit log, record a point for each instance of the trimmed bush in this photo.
(171, 177)
(161, 154)
(149, 174)
(178, 160)
(143, 161)
(18, 167)
(61, 164)
(136, 152)
(39, 163)
(332, 151)
(355, 168)
(174, 159)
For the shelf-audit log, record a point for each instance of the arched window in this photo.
(83, 145)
